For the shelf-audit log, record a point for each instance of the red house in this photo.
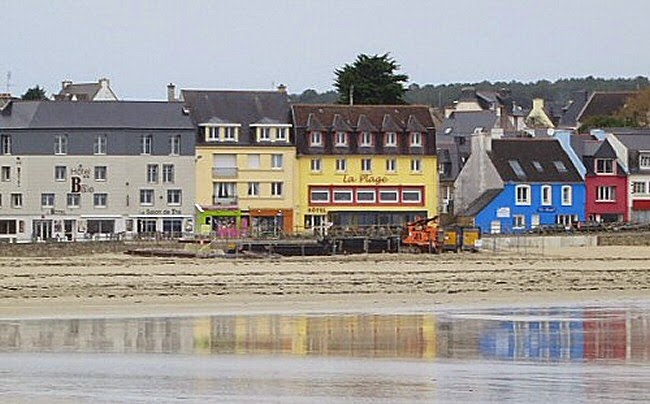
(606, 180)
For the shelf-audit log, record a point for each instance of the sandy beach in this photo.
(122, 285)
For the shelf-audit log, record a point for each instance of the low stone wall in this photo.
(55, 249)
(499, 243)
(639, 238)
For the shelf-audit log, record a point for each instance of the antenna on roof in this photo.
(9, 81)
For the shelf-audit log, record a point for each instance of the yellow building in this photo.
(364, 165)
(246, 162)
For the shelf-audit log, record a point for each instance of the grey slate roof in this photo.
(481, 202)
(242, 107)
(545, 151)
(569, 118)
(462, 123)
(108, 114)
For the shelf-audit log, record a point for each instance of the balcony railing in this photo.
(224, 172)
(224, 201)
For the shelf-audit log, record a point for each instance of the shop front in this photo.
(221, 223)
(268, 223)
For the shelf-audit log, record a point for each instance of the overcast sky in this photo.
(143, 45)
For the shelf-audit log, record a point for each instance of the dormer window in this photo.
(282, 134)
(341, 139)
(644, 161)
(229, 134)
(264, 134)
(604, 166)
(416, 139)
(315, 139)
(365, 139)
(390, 139)
(222, 133)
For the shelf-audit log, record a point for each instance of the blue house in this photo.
(518, 184)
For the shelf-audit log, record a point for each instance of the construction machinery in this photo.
(422, 235)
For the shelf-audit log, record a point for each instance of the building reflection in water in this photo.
(532, 335)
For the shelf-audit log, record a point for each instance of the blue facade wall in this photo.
(503, 208)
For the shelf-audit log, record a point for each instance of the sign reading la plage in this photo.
(364, 179)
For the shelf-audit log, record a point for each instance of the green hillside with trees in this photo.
(445, 94)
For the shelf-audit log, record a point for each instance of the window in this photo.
(61, 144)
(644, 161)
(225, 190)
(366, 196)
(518, 222)
(276, 161)
(560, 167)
(566, 220)
(254, 161)
(168, 173)
(146, 144)
(6, 173)
(316, 165)
(366, 165)
(152, 173)
(212, 133)
(276, 189)
(365, 139)
(547, 195)
(315, 139)
(175, 145)
(522, 195)
(5, 144)
(341, 165)
(342, 196)
(230, 133)
(567, 195)
(411, 196)
(416, 139)
(416, 165)
(253, 189)
(341, 139)
(7, 227)
(265, 134)
(637, 187)
(99, 146)
(282, 134)
(388, 196)
(390, 139)
(100, 173)
(391, 165)
(47, 200)
(604, 166)
(146, 197)
(538, 166)
(319, 195)
(16, 200)
(100, 200)
(174, 197)
(516, 168)
(60, 173)
(606, 194)
(73, 200)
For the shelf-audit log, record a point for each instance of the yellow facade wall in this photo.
(265, 174)
(427, 177)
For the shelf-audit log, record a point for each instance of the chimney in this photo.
(468, 94)
(282, 88)
(65, 83)
(103, 82)
(171, 92)
(481, 142)
(538, 103)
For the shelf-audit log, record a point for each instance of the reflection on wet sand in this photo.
(529, 335)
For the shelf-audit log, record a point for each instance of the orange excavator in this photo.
(422, 235)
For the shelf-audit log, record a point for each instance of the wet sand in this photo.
(121, 285)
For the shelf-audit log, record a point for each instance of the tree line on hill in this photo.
(441, 95)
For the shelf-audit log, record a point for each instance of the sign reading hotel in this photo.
(364, 179)
(76, 175)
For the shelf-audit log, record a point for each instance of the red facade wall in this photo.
(599, 208)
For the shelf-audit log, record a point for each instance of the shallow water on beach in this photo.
(562, 354)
